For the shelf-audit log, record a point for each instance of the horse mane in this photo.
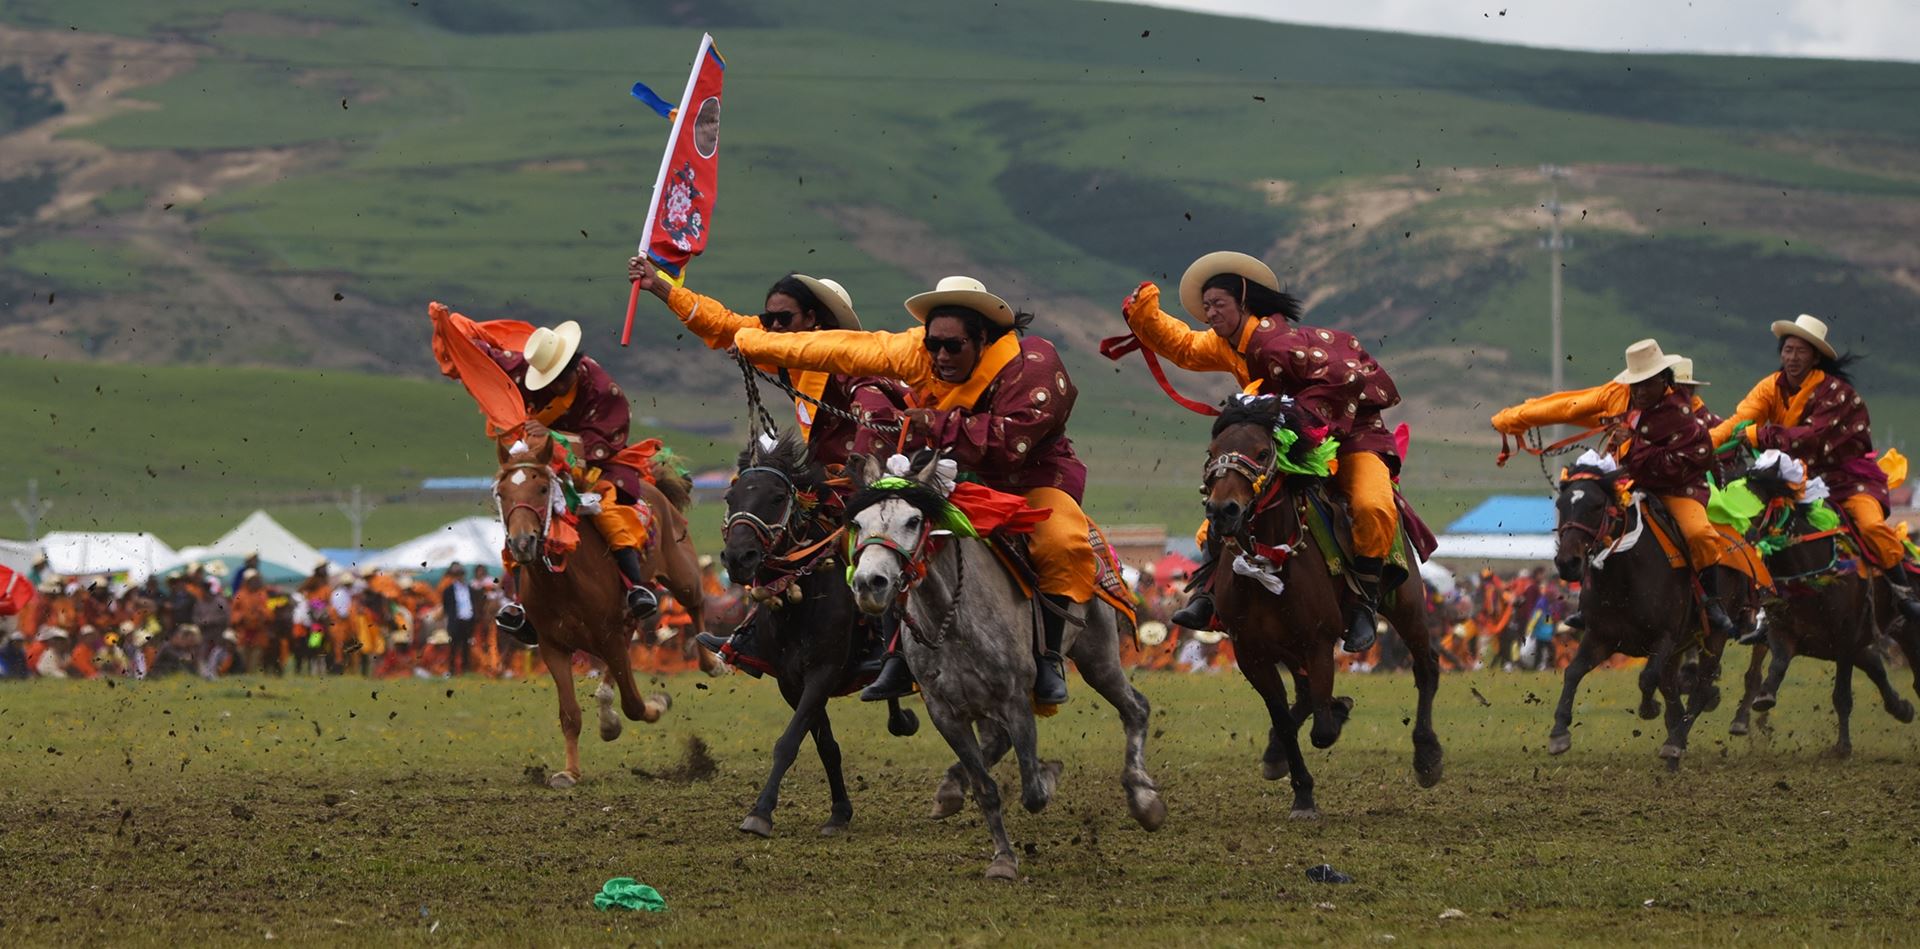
(670, 476)
(1608, 477)
(1768, 484)
(789, 455)
(1261, 410)
(923, 498)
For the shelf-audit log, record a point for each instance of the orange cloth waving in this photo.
(453, 348)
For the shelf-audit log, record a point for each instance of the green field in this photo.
(355, 812)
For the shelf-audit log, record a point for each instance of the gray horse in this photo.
(968, 635)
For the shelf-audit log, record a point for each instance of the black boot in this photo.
(1198, 613)
(895, 680)
(512, 620)
(642, 605)
(1717, 619)
(1576, 620)
(738, 650)
(1903, 595)
(879, 633)
(1050, 670)
(1366, 600)
(1756, 635)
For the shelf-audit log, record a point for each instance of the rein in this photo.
(748, 371)
(545, 511)
(914, 566)
(1116, 347)
(1530, 442)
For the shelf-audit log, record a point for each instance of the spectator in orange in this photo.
(250, 615)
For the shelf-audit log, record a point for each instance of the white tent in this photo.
(261, 534)
(470, 540)
(16, 555)
(76, 553)
(1537, 548)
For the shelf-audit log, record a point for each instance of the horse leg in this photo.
(1750, 684)
(960, 737)
(1427, 753)
(1283, 737)
(1782, 654)
(620, 674)
(1843, 706)
(1679, 719)
(560, 665)
(829, 749)
(1329, 713)
(1869, 661)
(1591, 653)
(1650, 682)
(1100, 668)
(1037, 778)
(951, 795)
(808, 706)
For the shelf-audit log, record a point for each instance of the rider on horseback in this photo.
(796, 303)
(1658, 437)
(994, 401)
(569, 393)
(1809, 410)
(1328, 375)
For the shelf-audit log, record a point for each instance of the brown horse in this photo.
(580, 605)
(1637, 604)
(1823, 609)
(1249, 504)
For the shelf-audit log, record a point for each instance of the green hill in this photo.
(285, 186)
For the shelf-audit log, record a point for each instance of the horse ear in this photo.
(863, 469)
(930, 473)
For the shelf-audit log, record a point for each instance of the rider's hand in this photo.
(640, 271)
(1144, 295)
(918, 420)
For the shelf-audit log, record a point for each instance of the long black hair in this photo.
(808, 300)
(1254, 298)
(982, 331)
(1839, 367)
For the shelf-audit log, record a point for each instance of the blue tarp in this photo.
(1507, 514)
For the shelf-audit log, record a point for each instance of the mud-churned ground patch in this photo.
(350, 812)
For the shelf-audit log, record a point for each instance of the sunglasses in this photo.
(939, 344)
(777, 319)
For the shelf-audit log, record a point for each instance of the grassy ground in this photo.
(351, 812)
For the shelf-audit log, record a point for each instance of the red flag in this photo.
(15, 592)
(455, 349)
(681, 215)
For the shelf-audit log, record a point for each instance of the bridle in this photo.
(1265, 479)
(544, 512)
(913, 569)
(1611, 516)
(769, 532)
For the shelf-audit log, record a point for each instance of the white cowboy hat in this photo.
(1810, 328)
(440, 637)
(1683, 374)
(961, 291)
(1152, 633)
(834, 297)
(1644, 361)
(1208, 637)
(548, 351)
(1212, 265)
(706, 560)
(50, 634)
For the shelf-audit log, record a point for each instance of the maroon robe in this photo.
(1329, 374)
(1670, 451)
(596, 419)
(1014, 437)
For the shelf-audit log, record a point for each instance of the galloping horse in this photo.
(1250, 500)
(581, 605)
(968, 632)
(1635, 603)
(780, 540)
(1824, 609)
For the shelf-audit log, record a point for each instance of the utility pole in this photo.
(1555, 244)
(32, 509)
(356, 509)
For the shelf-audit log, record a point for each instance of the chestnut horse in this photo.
(581, 605)
(1251, 503)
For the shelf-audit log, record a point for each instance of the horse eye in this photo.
(913, 523)
(1264, 454)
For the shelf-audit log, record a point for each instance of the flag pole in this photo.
(660, 179)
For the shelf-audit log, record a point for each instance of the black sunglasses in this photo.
(777, 319)
(936, 344)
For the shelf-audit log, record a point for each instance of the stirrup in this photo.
(642, 605)
(512, 619)
(894, 682)
(1197, 614)
(1361, 633)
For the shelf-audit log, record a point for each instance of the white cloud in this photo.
(1847, 29)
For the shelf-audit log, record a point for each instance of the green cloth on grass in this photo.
(628, 893)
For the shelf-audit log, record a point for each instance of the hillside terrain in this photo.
(283, 188)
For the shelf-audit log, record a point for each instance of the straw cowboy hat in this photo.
(1683, 374)
(961, 291)
(50, 634)
(834, 297)
(1215, 264)
(440, 637)
(1152, 633)
(1208, 637)
(1644, 361)
(1810, 328)
(548, 351)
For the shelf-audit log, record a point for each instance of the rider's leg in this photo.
(626, 528)
(1885, 549)
(1368, 485)
(1063, 557)
(895, 679)
(1198, 613)
(511, 618)
(1704, 546)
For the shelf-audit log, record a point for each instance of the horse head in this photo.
(523, 490)
(1244, 458)
(889, 520)
(1587, 508)
(764, 502)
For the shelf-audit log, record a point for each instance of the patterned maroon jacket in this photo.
(594, 412)
(1014, 437)
(1670, 450)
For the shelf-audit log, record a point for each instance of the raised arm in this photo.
(899, 356)
(1171, 337)
(1587, 408)
(1757, 407)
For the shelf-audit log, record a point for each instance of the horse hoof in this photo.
(1558, 744)
(1737, 728)
(1304, 813)
(1003, 867)
(1838, 753)
(1713, 699)
(562, 780)
(657, 705)
(609, 731)
(833, 828)
(1273, 770)
(1903, 713)
(947, 802)
(1649, 710)
(1765, 703)
(757, 826)
(1147, 808)
(1670, 752)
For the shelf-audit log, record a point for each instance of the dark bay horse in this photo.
(1823, 608)
(1636, 603)
(782, 539)
(581, 607)
(968, 634)
(1250, 504)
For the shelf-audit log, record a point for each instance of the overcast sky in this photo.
(1851, 29)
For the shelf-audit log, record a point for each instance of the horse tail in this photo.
(670, 476)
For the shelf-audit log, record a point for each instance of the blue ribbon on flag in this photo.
(652, 99)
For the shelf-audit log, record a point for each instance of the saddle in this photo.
(1736, 553)
(1108, 583)
(1330, 522)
